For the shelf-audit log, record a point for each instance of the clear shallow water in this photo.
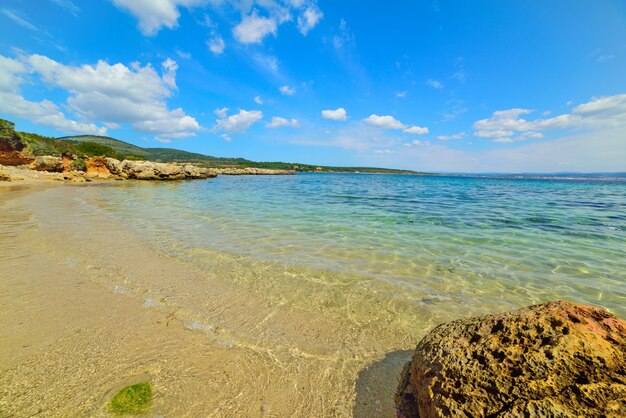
(462, 239)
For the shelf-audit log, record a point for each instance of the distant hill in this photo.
(175, 155)
(82, 146)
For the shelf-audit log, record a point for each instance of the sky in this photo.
(443, 86)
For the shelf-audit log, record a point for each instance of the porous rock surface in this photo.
(557, 359)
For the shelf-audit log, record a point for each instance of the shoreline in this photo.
(81, 312)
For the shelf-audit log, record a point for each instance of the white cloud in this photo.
(385, 122)
(278, 122)
(216, 45)
(169, 72)
(599, 112)
(287, 91)
(389, 122)
(118, 94)
(156, 14)
(460, 135)
(384, 151)
(400, 93)
(309, 19)
(45, 112)
(435, 84)
(492, 133)
(416, 130)
(237, 123)
(253, 28)
(337, 114)
(258, 100)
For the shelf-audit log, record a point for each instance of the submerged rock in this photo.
(556, 359)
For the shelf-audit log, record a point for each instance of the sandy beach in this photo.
(88, 309)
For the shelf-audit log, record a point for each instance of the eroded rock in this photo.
(550, 360)
(47, 163)
(148, 170)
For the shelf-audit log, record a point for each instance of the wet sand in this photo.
(86, 308)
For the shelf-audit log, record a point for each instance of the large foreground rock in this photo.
(553, 360)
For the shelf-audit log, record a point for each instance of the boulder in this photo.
(553, 360)
(47, 163)
(114, 166)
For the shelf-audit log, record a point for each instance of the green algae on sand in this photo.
(133, 399)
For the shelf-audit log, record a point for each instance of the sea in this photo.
(468, 240)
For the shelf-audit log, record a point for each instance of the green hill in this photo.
(82, 146)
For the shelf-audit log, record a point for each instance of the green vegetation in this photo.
(84, 146)
(93, 149)
(9, 139)
(134, 399)
(79, 165)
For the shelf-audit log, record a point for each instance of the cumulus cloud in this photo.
(258, 100)
(216, 45)
(287, 91)
(511, 125)
(154, 15)
(278, 122)
(416, 130)
(253, 28)
(384, 122)
(260, 18)
(309, 19)
(337, 114)
(115, 94)
(237, 123)
(12, 73)
(389, 122)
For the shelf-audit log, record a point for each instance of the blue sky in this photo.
(461, 86)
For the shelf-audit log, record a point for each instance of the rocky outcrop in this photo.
(251, 171)
(148, 170)
(48, 163)
(553, 360)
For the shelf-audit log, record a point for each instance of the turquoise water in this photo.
(463, 239)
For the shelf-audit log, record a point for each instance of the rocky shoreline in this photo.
(104, 168)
